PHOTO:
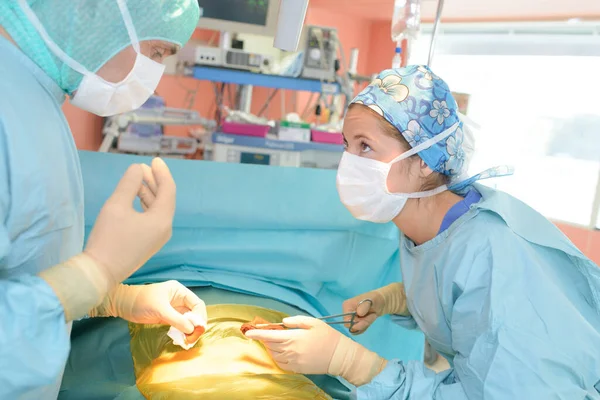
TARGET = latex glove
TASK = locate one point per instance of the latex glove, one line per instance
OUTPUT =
(390, 299)
(158, 303)
(316, 348)
(121, 241)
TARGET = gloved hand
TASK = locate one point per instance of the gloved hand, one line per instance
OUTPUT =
(121, 241)
(390, 299)
(158, 303)
(313, 347)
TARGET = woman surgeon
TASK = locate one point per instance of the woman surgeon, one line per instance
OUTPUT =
(106, 55)
(498, 291)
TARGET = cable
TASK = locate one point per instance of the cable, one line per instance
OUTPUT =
(264, 107)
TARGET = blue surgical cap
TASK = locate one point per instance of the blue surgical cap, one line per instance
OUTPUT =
(92, 32)
(420, 105)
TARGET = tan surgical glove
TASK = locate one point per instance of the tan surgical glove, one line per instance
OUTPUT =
(158, 303)
(121, 241)
(310, 346)
(390, 299)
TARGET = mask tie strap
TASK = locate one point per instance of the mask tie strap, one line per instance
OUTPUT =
(426, 144)
(49, 42)
(427, 193)
(135, 43)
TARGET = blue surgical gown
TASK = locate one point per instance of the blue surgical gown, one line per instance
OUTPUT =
(41, 224)
(508, 300)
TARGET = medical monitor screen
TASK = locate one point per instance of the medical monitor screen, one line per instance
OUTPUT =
(255, 158)
(252, 12)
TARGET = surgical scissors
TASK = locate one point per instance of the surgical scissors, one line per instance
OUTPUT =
(325, 318)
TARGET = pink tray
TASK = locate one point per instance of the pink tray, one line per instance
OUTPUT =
(235, 128)
(326, 137)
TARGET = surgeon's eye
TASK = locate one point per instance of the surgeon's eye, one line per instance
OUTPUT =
(365, 148)
(345, 144)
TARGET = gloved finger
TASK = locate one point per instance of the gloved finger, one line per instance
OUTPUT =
(269, 336)
(129, 186)
(301, 321)
(184, 300)
(195, 335)
(349, 306)
(149, 178)
(193, 303)
(166, 190)
(363, 308)
(171, 317)
(360, 326)
(146, 197)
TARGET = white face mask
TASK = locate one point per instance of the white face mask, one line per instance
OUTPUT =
(362, 184)
(98, 96)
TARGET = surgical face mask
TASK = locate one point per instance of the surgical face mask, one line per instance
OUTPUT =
(95, 94)
(362, 184)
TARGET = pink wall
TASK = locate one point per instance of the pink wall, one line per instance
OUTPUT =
(382, 47)
(372, 38)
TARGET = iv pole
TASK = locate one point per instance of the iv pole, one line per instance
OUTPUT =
(434, 34)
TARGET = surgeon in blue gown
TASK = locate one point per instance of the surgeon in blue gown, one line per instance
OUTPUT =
(107, 56)
(498, 290)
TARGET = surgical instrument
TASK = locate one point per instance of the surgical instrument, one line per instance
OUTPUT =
(327, 317)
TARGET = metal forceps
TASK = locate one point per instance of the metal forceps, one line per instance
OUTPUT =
(353, 314)
(325, 318)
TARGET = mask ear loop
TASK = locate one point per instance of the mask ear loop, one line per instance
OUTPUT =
(425, 145)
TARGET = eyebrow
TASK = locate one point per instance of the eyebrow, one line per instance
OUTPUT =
(357, 136)
(173, 50)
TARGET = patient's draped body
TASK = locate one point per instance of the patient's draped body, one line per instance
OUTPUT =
(224, 364)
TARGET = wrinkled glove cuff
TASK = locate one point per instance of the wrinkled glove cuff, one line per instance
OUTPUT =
(394, 298)
(355, 363)
(79, 283)
(118, 302)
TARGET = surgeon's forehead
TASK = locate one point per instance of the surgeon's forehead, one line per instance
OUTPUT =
(360, 122)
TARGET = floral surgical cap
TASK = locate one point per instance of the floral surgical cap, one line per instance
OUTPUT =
(420, 105)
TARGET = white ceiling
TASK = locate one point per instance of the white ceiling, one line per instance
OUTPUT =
(472, 10)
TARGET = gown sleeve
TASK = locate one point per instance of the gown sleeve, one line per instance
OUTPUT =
(505, 333)
(34, 341)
